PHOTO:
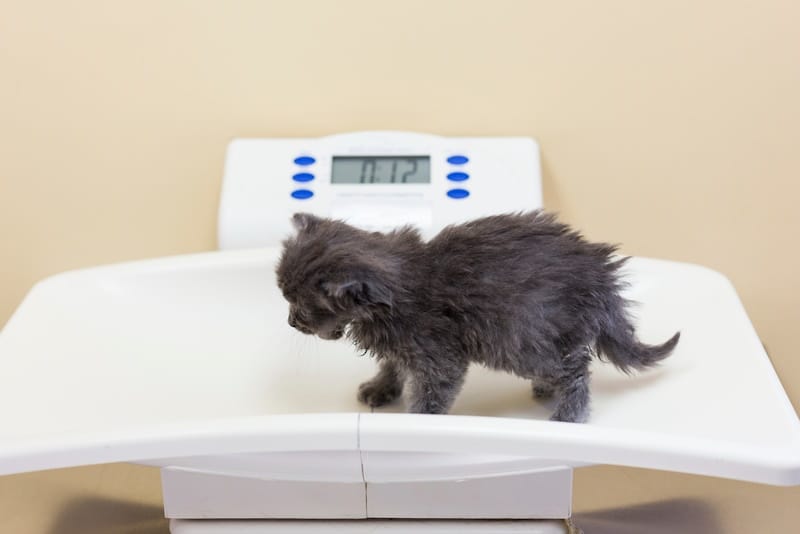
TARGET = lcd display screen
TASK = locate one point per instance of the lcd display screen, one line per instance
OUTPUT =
(381, 170)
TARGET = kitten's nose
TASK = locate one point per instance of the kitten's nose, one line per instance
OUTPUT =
(292, 321)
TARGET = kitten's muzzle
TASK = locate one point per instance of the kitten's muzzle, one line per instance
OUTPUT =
(334, 334)
(297, 326)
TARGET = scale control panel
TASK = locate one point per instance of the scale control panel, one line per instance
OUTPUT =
(373, 180)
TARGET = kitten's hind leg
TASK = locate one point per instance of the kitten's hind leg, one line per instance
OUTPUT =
(542, 390)
(573, 388)
(384, 388)
(433, 390)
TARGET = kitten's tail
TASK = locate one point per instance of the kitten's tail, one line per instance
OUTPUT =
(619, 344)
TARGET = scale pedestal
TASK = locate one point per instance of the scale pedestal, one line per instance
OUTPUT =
(537, 495)
(524, 492)
(488, 493)
(527, 502)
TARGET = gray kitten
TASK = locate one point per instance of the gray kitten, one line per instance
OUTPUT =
(521, 293)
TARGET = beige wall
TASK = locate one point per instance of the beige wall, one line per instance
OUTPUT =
(671, 127)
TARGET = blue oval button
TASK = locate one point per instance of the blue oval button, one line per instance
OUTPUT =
(303, 177)
(458, 193)
(304, 160)
(457, 176)
(302, 194)
(457, 160)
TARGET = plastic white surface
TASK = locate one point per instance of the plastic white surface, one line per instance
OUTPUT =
(256, 202)
(192, 356)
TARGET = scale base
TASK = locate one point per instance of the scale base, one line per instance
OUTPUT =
(200, 501)
(376, 526)
(201, 489)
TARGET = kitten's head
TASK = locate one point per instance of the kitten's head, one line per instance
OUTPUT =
(331, 276)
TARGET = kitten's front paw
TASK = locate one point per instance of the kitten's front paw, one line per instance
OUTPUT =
(566, 415)
(377, 394)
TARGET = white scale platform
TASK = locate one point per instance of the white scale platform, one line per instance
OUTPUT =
(188, 363)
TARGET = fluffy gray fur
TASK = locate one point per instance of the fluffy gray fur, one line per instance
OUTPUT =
(521, 293)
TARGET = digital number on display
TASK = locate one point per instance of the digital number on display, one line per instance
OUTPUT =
(381, 170)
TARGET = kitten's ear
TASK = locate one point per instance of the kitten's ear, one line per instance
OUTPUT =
(359, 292)
(304, 221)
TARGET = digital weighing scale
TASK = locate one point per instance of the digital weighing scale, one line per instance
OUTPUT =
(188, 363)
